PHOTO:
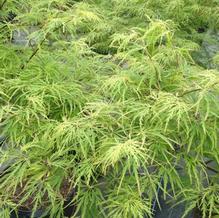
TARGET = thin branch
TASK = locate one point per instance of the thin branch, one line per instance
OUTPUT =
(208, 161)
(195, 90)
(212, 169)
(33, 53)
(2, 5)
(190, 91)
(205, 164)
(38, 48)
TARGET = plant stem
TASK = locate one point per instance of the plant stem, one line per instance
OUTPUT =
(190, 91)
(2, 5)
(212, 169)
(33, 54)
(205, 164)
(195, 90)
(37, 49)
(154, 204)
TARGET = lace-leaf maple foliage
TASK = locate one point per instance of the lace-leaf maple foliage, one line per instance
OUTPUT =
(105, 96)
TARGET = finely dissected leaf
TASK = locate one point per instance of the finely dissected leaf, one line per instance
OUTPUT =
(105, 106)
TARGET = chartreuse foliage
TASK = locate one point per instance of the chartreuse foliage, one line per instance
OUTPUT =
(105, 96)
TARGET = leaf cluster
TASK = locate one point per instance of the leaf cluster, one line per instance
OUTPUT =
(104, 96)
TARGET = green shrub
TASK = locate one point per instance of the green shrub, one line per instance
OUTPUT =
(104, 97)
